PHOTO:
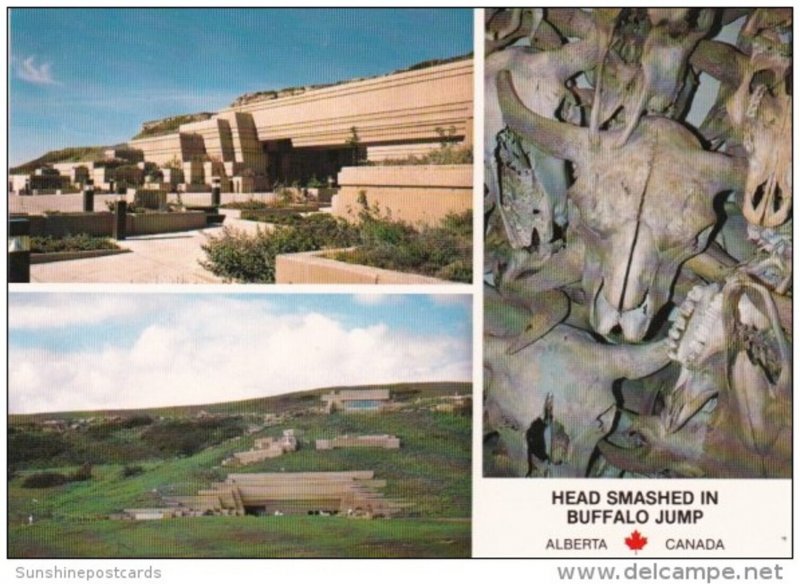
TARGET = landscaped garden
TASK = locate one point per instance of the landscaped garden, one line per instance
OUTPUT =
(443, 251)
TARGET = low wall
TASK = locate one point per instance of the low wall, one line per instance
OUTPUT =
(74, 202)
(62, 203)
(98, 224)
(312, 267)
(101, 224)
(418, 194)
(225, 198)
(149, 223)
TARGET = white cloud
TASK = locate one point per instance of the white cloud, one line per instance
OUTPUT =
(47, 311)
(217, 349)
(27, 70)
(375, 299)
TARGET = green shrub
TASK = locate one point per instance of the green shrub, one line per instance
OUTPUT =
(248, 204)
(444, 251)
(186, 437)
(136, 421)
(132, 470)
(84, 473)
(25, 447)
(43, 480)
(79, 242)
(274, 216)
(236, 255)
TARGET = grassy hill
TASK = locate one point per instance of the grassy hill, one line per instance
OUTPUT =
(179, 451)
(76, 154)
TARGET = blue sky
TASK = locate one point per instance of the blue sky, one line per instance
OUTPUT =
(83, 77)
(86, 351)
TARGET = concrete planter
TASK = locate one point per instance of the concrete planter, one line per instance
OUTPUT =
(418, 194)
(63, 256)
(150, 223)
(61, 224)
(315, 267)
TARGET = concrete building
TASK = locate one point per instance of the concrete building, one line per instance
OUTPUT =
(268, 447)
(356, 400)
(314, 132)
(354, 493)
(370, 441)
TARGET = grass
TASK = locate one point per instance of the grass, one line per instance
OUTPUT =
(70, 243)
(243, 537)
(75, 154)
(431, 470)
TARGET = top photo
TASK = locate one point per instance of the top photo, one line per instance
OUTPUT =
(204, 146)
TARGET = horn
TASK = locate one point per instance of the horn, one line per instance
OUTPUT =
(561, 140)
(635, 361)
(722, 173)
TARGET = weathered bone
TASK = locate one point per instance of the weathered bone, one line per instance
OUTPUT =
(628, 210)
(583, 401)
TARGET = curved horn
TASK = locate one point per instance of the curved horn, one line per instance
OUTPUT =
(561, 140)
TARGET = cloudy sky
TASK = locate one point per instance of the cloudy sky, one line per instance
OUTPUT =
(84, 77)
(86, 351)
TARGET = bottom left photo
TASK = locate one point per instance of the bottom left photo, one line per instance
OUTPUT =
(249, 425)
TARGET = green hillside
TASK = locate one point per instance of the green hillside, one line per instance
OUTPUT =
(139, 457)
(76, 154)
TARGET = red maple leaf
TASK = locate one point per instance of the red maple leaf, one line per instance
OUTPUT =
(636, 542)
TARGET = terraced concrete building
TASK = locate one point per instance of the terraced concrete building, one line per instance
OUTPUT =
(355, 493)
(296, 134)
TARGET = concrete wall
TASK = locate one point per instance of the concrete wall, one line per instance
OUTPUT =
(101, 224)
(313, 268)
(62, 203)
(418, 194)
(163, 149)
(74, 202)
(379, 441)
(406, 106)
(216, 134)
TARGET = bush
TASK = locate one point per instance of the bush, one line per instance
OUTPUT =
(249, 204)
(136, 421)
(79, 242)
(44, 480)
(235, 255)
(25, 447)
(132, 470)
(443, 252)
(84, 473)
(187, 437)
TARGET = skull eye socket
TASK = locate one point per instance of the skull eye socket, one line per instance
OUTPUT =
(765, 77)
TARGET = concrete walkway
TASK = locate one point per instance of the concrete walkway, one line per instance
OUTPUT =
(165, 258)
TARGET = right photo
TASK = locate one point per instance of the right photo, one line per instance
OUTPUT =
(638, 243)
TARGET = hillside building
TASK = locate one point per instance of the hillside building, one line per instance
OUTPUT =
(288, 136)
(356, 400)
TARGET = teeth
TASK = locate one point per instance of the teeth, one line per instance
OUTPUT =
(674, 333)
(672, 344)
(687, 308)
(695, 293)
(680, 324)
(672, 354)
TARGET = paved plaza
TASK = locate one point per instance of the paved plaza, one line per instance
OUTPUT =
(165, 258)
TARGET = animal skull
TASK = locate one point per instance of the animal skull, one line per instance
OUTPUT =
(729, 413)
(761, 108)
(641, 210)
